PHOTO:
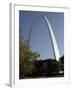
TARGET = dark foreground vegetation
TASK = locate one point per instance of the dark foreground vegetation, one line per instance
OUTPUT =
(44, 68)
(31, 67)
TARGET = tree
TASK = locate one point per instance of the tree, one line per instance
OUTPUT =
(62, 62)
(26, 59)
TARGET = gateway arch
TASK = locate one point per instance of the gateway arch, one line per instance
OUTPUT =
(52, 36)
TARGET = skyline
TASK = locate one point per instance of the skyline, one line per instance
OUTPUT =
(40, 39)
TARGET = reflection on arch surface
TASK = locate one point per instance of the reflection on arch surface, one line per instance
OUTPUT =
(52, 36)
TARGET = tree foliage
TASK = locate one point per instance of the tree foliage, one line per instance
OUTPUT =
(26, 59)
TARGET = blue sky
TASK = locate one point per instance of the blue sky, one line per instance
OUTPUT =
(40, 39)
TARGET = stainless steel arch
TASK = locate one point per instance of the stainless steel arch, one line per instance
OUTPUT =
(52, 37)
